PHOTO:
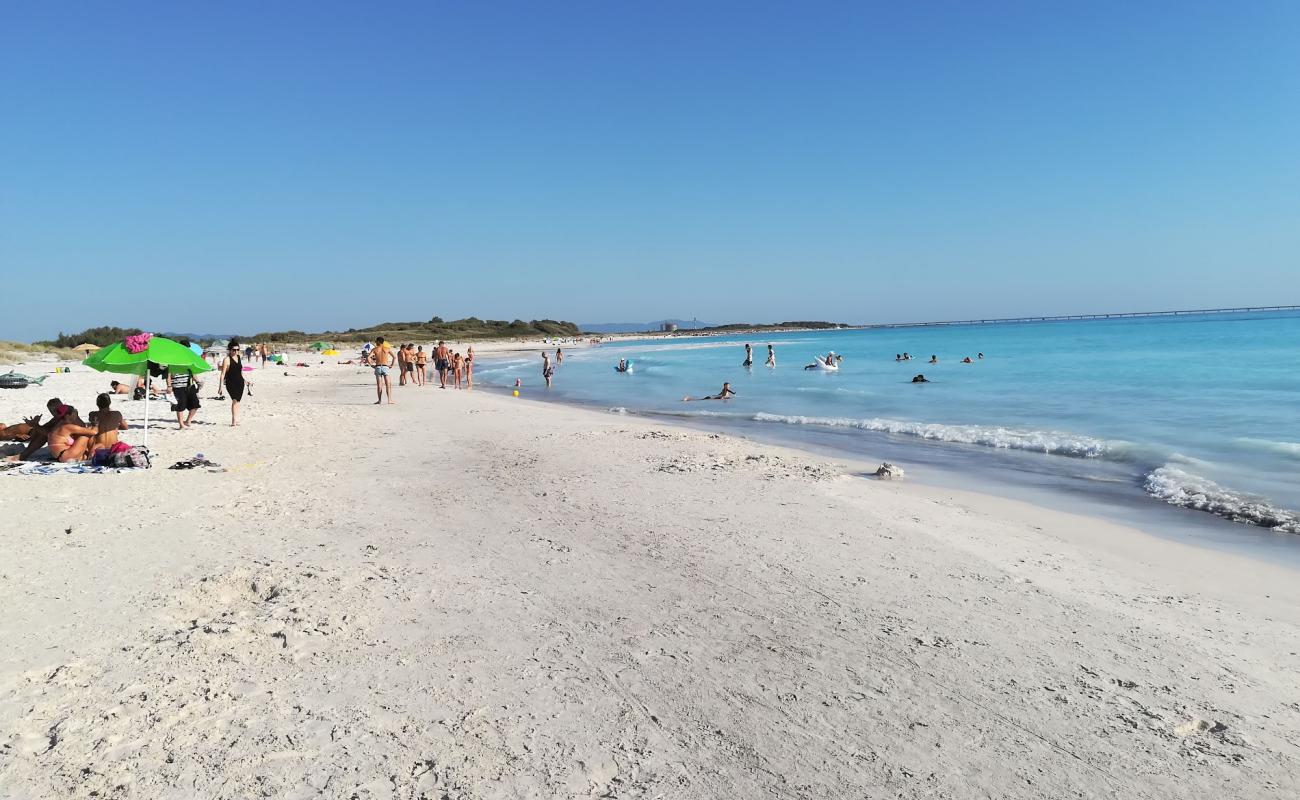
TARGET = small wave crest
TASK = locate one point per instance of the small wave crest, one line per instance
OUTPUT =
(1180, 488)
(1285, 449)
(1051, 442)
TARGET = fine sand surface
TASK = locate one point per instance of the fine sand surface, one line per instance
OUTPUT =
(466, 595)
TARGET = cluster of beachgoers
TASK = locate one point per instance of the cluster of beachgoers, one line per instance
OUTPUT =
(67, 438)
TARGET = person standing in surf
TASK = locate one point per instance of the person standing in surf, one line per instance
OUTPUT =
(548, 371)
(771, 356)
(749, 356)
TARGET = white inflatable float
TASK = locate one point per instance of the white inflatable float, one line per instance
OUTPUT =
(820, 363)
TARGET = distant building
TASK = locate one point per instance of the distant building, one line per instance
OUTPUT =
(668, 327)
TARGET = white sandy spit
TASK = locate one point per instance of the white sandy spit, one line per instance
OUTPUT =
(467, 595)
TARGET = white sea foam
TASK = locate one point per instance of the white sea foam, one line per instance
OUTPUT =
(1180, 488)
(1285, 449)
(1051, 442)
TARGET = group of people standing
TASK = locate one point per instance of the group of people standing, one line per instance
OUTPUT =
(412, 363)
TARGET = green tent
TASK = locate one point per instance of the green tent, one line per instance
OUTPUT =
(319, 346)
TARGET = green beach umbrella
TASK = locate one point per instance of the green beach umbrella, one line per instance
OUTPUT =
(133, 357)
(321, 346)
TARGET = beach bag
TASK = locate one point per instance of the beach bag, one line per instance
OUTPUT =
(132, 458)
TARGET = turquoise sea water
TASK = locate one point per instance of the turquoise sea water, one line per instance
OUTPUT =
(1199, 412)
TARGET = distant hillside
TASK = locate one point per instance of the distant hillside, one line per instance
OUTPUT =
(436, 328)
(640, 327)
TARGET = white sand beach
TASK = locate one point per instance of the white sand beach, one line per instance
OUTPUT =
(467, 595)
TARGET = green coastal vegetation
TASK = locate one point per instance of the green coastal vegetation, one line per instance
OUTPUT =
(469, 328)
(436, 328)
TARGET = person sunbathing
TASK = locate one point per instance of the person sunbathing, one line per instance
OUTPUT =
(120, 388)
(107, 423)
(39, 434)
(69, 439)
(20, 432)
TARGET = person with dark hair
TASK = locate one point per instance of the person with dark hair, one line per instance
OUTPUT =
(381, 358)
(232, 377)
(69, 438)
(185, 392)
(39, 434)
(107, 421)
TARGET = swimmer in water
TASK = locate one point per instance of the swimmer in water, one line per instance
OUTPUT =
(920, 379)
(980, 356)
(771, 356)
(967, 360)
(622, 365)
(934, 359)
(724, 394)
(898, 356)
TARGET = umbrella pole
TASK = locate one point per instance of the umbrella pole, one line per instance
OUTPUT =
(148, 384)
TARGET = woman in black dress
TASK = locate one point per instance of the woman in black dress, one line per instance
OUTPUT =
(232, 377)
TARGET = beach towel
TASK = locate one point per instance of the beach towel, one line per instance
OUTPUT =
(55, 468)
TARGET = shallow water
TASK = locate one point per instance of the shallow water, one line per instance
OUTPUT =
(1195, 411)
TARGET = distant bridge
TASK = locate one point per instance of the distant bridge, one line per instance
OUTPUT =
(1070, 317)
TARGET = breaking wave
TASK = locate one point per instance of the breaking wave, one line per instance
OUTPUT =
(1050, 442)
(1183, 489)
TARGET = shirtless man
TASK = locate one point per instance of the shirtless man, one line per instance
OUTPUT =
(381, 358)
(120, 388)
(548, 371)
(402, 365)
(440, 358)
(107, 421)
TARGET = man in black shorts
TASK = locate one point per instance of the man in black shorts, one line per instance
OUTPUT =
(185, 393)
(441, 360)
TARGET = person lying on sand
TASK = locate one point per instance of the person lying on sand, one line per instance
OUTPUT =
(107, 423)
(119, 388)
(38, 435)
(724, 394)
(20, 432)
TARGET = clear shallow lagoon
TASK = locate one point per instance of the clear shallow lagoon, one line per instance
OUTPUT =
(1201, 412)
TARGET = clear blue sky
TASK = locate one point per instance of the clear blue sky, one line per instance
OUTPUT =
(248, 166)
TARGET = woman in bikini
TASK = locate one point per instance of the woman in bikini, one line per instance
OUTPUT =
(69, 440)
(469, 368)
(457, 368)
(421, 365)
